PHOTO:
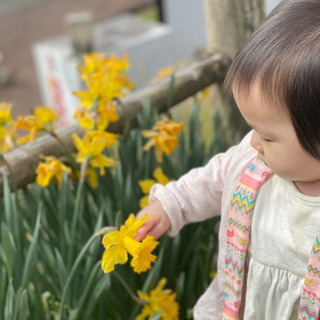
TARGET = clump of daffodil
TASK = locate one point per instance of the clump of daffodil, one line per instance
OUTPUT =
(7, 132)
(96, 62)
(145, 185)
(163, 137)
(159, 300)
(50, 169)
(42, 120)
(106, 80)
(118, 244)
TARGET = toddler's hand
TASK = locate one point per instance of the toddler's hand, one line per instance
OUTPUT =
(156, 225)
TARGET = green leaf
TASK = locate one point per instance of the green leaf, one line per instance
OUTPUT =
(88, 285)
(8, 248)
(72, 273)
(32, 251)
(9, 304)
(180, 285)
(62, 272)
(118, 220)
(102, 285)
(21, 308)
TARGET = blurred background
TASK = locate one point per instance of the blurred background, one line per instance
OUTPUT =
(42, 42)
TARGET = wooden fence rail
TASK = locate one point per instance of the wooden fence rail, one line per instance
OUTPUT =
(198, 74)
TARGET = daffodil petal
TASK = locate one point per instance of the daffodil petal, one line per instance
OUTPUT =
(112, 256)
(145, 185)
(111, 238)
(160, 176)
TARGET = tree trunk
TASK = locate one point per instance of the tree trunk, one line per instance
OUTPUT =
(229, 24)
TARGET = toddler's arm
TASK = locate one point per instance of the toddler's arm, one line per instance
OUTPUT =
(197, 195)
(156, 225)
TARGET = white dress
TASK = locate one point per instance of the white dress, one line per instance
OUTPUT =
(283, 230)
(284, 227)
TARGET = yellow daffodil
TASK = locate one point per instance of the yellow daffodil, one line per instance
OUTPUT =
(92, 177)
(30, 124)
(105, 79)
(84, 118)
(159, 300)
(5, 115)
(41, 120)
(99, 119)
(7, 132)
(110, 138)
(141, 252)
(91, 149)
(45, 118)
(98, 92)
(96, 62)
(115, 68)
(7, 139)
(146, 185)
(114, 65)
(117, 244)
(93, 63)
(102, 89)
(169, 126)
(205, 94)
(52, 168)
(163, 137)
(106, 115)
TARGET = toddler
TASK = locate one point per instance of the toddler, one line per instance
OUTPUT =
(267, 188)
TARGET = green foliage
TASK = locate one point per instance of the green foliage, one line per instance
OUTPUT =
(50, 256)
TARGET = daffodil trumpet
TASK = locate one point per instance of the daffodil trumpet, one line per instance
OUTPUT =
(141, 252)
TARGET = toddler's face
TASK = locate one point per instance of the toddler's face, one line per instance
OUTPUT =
(274, 138)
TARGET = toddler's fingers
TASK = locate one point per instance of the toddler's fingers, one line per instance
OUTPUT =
(145, 228)
(142, 232)
(158, 231)
(141, 214)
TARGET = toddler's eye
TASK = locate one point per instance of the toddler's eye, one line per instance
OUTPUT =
(266, 140)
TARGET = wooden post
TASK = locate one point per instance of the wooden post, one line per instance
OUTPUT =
(229, 24)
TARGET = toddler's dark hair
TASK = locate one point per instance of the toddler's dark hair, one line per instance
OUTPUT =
(283, 55)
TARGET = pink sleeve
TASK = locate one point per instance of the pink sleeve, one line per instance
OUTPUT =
(197, 195)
